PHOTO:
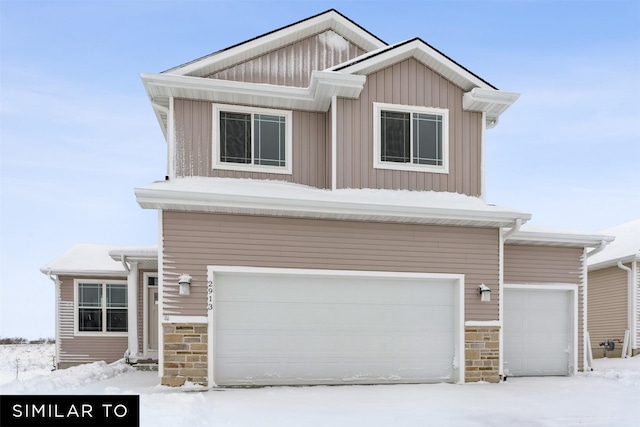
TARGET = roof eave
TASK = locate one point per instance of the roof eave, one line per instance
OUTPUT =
(83, 273)
(614, 262)
(557, 239)
(153, 198)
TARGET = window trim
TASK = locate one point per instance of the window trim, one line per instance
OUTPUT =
(217, 164)
(378, 107)
(76, 308)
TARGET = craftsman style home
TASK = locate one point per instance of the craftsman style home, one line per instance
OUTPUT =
(323, 221)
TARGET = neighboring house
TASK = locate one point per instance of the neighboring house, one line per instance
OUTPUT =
(323, 221)
(614, 292)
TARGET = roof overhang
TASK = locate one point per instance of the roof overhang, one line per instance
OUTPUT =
(317, 97)
(329, 20)
(614, 262)
(559, 238)
(274, 198)
(490, 101)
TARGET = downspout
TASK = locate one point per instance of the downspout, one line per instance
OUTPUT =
(603, 244)
(513, 229)
(123, 259)
(630, 299)
(56, 282)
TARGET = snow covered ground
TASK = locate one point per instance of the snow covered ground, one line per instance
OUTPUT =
(608, 396)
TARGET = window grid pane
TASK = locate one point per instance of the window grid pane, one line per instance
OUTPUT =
(235, 137)
(90, 320)
(395, 136)
(116, 295)
(89, 295)
(269, 135)
(427, 139)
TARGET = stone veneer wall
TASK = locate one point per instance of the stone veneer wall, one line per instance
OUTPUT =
(482, 347)
(185, 353)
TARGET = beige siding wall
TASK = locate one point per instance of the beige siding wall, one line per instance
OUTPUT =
(192, 241)
(292, 65)
(408, 83)
(540, 264)
(82, 349)
(194, 144)
(607, 307)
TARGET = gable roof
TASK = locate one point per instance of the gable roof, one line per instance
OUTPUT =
(328, 20)
(345, 80)
(625, 248)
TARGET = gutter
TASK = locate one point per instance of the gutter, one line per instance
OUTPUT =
(603, 244)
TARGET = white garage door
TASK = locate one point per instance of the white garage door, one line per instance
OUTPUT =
(277, 329)
(538, 332)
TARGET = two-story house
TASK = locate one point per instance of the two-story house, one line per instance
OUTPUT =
(323, 221)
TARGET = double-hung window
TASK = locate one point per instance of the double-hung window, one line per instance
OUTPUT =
(411, 138)
(101, 307)
(251, 139)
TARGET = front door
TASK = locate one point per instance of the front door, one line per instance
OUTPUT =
(152, 320)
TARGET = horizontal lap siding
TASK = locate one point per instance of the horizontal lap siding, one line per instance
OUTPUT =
(543, 264)
(194, 146)
(408, 83)
(192, 241)
(293, 64)
(78, 349)
(607, 306)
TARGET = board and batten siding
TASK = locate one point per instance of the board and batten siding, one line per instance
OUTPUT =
(528, 264)
(192, 241)
(607, 307)
(293, 64)
(408, 83)
(75, 350)
(194, 140)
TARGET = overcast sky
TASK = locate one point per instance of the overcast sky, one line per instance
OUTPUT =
(78, 133)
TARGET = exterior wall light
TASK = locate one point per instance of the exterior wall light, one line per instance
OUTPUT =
(184, 281)
(484, 292)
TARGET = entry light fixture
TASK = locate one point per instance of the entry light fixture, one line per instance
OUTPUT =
(484, 292)
(184, 281)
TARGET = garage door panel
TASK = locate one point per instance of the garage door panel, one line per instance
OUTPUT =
(301, 329)
(537, 331)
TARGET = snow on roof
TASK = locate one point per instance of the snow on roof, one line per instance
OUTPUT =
(232, 195)
(535, 234)
(626, 246)
(92, 259)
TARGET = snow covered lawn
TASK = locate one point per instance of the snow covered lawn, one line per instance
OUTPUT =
(608, 396)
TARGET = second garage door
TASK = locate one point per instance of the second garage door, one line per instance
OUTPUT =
(272, 328)
(539, 331)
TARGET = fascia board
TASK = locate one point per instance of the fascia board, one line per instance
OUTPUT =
(422, 52)
(85, 273)
(613, 262)
(316, 97)
(491, 101)
(330, 20)
(578, 240)
(171, 199)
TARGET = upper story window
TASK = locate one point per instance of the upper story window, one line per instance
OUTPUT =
(101, 307)
(252, 139)
(410, 138)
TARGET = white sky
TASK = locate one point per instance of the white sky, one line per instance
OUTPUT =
(77, 132)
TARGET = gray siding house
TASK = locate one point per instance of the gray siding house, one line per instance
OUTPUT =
(323, 221)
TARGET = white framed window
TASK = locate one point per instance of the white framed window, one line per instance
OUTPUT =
(252, 139)
(101, 307)
(410, 138)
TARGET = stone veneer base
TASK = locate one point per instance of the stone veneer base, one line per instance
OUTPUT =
(185, 353)
(482, 354)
